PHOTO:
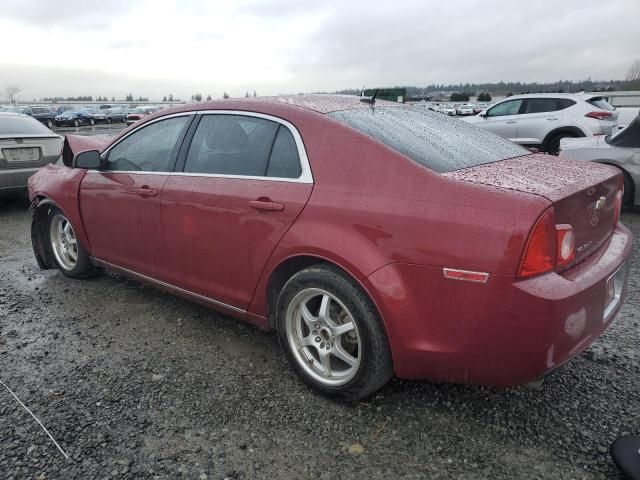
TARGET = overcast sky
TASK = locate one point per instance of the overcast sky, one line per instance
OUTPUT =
(153, 48)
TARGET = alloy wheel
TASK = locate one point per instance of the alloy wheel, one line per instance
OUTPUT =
(323, 336)
(63, 242)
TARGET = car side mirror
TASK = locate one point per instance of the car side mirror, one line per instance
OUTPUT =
(89, 160)
(483, 114)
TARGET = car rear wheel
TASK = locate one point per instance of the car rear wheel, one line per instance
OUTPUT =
(332, 335)
(629, 192)
(70, 256)
(552, 146)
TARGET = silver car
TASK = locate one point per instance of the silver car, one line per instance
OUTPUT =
(541, 120)
(621, 150)
(25, 146)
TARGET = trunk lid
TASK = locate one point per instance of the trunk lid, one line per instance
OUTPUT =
(582, 193)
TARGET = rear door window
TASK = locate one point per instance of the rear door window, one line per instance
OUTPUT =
(438, 142)
(242, 145)
(541, 105)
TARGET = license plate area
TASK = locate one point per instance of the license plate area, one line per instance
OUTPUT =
(22, 154)
(615, 285)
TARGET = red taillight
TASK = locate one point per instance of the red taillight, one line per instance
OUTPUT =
(540, 252)
(599, 115)
(565, 244)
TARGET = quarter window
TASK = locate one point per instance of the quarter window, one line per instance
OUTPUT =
(151, 149)
(510, 107)
(242, 145)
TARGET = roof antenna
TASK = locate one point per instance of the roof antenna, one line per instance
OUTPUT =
(371, 99)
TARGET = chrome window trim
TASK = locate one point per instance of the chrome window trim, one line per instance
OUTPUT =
(140, 127)
(306, 176)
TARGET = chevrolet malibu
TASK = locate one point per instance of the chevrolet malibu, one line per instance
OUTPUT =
(374, 238)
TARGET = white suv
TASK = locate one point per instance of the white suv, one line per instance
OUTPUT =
(542, 119)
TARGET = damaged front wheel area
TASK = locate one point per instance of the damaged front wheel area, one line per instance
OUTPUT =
(55, 244)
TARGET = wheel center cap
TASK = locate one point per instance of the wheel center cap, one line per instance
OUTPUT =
(325, 334)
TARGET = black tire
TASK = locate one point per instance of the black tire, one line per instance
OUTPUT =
(552, 146)
(76, 123)
(375, 364)
(109, 120)
(92, 122)
(83, 267)
(629, 191)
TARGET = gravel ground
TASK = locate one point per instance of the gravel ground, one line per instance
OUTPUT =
(135, 383)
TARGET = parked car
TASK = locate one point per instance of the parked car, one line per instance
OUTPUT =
(137, 113)
(99, 116)
(44, 115)
(75, 118)
(116, 115)
(410, 244)
(25, 146)
(621, 150)
(541, 120)
(449, 110)
(466, 109)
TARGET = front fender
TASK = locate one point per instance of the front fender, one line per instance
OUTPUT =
(57, 186)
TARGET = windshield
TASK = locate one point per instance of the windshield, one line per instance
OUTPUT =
(433, 140)
(19, 125)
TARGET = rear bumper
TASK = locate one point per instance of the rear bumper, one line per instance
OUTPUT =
(505, 332)
(15, 180)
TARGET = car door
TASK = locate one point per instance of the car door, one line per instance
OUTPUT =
(120, 204)
(502, 118)
(245, 178)
(539, 117)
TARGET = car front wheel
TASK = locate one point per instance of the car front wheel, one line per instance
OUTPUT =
(69, 253)
(332, 335)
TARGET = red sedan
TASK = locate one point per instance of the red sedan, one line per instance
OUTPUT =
(375, 239)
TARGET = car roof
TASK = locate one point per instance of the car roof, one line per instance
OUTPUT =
(320, 103)
(574, 96)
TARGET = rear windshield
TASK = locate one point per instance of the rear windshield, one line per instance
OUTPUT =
(602, 104)
(19, 125)
(436, 141)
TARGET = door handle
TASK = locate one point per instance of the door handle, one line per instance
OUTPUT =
(266, 205)
(511, 121)
(552, 118)
(145, 191)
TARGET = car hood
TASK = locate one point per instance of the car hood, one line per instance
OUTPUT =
(75, 144)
